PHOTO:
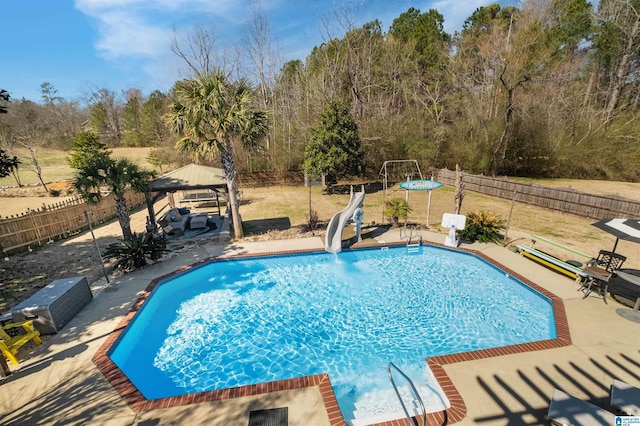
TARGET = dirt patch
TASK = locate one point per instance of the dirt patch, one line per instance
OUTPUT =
(65, 186)
(22, 274)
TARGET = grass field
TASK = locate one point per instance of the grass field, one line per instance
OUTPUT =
(279, 207)
(55, 166)
(285, 209)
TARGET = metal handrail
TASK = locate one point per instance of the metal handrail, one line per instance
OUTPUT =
(410, 239)
(415, 395)
(410, 235)
(403, 233)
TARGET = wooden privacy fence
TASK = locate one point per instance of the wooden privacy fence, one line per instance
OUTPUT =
(57, 221)
(560, 199)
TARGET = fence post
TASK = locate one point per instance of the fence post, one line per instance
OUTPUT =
(35, 226)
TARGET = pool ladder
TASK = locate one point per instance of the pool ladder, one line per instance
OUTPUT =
(414, 240)
(414, 391)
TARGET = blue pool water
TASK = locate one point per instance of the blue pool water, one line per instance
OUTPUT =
(242, 322)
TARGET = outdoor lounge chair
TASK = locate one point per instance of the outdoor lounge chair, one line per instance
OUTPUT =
(599, 271)
(10, 344)
(174, 222)
(625, 398)
(567, 410)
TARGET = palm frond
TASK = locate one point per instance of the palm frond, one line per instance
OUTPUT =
(209, 112)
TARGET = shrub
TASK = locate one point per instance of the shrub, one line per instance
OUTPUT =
(482, 226)
(312, 223)
(396, 209)
(133, 252)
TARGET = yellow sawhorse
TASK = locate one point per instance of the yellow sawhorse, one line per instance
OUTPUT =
(9, 345)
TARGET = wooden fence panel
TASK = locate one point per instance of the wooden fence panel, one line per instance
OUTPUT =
(559, 199)
(60, 220)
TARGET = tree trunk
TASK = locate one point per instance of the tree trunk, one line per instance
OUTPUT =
(622, 73)
(235, 214)
(44, 185)
(592, 81)
(500, 151)
(16, 176)
(459, 194)
(228, 165)
(123, 217)
(36, 166)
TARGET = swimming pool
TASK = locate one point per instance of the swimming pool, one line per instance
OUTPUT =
(254, 320)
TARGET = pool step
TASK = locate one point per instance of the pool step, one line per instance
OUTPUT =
(379, 406)
(413, 248)
(375, 419)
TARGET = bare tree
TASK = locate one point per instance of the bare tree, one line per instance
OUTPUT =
(624, 16)
(64, 118)
(30, 132)
(263, 61)
(197, 50)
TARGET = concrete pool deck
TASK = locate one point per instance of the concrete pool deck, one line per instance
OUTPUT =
(59, 383)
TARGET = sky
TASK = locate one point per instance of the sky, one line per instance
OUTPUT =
(82, 45)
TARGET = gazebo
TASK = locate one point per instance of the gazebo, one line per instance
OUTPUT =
(188, 178)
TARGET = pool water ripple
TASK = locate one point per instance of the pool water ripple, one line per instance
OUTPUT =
(244, 322)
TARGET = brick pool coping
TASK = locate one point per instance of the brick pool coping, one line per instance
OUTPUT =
(456, 412)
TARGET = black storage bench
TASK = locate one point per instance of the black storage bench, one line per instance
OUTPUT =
(54, 305)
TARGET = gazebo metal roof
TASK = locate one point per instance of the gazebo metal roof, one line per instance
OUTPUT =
(192, 176)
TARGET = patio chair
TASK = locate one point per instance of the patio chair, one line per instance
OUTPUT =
(10, 341)
(599, 271)
(625, 398)
(567, 410)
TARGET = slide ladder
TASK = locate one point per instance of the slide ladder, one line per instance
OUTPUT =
(333, 238)
(414, 391)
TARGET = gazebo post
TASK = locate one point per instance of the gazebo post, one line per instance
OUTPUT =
(152, 213)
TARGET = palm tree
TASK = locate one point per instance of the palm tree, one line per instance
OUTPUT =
(116, 176)
(212, 115)
(396, 209)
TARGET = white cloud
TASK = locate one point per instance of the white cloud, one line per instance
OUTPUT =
(122, 34)
(144, 28)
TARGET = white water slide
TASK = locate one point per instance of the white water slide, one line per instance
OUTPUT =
(333, 239)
